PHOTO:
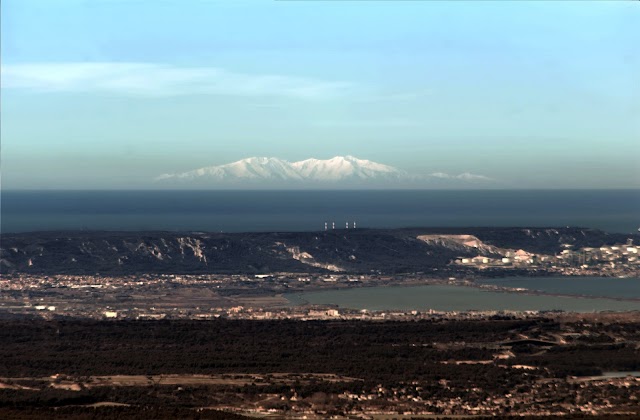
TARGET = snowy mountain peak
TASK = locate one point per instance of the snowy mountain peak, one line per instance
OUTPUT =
(344, 170)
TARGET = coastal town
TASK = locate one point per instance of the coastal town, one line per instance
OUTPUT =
(314, 361)
(611, 260)
(266, 296)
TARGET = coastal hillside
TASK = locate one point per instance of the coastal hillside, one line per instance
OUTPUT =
(333, 251)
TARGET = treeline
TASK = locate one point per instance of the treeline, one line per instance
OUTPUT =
(157, 413)
(390, 351)
(586, 360)
(115, 413)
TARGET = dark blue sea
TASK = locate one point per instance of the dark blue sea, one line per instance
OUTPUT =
(242, 211)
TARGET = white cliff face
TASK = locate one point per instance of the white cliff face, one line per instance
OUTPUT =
(195, 245)
(461, 243)
(306, 258)
(316, 171)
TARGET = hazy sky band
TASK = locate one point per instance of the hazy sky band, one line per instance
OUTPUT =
(110, 94)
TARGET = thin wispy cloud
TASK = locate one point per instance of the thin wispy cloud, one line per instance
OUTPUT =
(151, 79)
(394, 96)
(374, 123)
(466, 176)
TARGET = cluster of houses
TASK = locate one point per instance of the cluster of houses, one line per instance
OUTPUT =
(610, 253)
(619, 254)
(509, 258)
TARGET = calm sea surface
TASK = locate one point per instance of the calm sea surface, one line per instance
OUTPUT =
(453, 298)
(235, 211)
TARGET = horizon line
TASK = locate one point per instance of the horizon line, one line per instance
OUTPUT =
(3, 190)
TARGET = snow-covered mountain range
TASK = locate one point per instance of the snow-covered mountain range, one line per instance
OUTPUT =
(337, 171)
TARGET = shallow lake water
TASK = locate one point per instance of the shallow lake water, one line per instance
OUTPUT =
(587, 286)
(453, 298)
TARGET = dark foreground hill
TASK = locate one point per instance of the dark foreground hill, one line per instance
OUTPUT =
(348, 369)
(354, 251)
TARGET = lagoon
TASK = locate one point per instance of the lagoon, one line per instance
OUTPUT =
(627, 288)
(453, 298)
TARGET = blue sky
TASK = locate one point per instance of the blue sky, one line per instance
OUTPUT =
(112, 93)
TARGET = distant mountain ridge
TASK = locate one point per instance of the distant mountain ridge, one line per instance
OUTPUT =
(347, 170)
(345, 250)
